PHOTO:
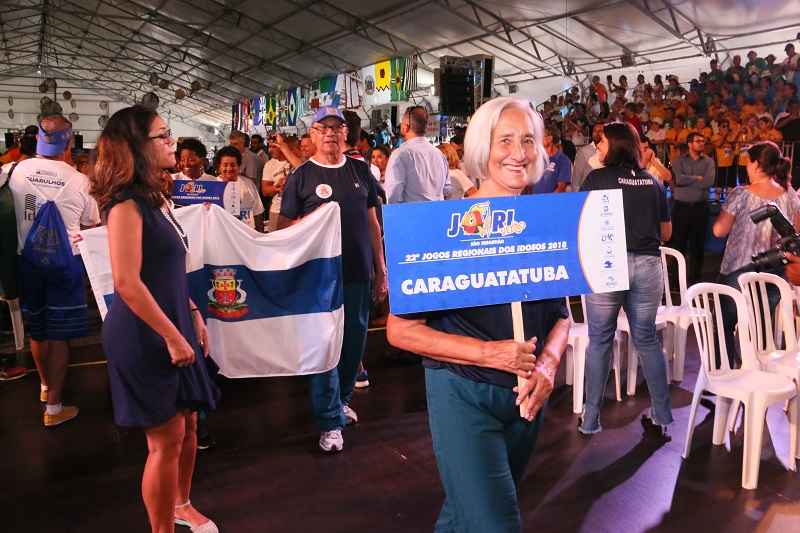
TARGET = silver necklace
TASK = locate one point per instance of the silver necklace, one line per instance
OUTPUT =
(167, 212)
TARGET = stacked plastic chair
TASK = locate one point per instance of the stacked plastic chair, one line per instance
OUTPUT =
(750, 385)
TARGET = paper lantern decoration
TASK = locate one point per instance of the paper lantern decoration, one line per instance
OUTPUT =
(150, 100)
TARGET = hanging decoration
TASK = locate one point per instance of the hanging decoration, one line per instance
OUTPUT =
(291, 110)
(257, 105)
(67, 95)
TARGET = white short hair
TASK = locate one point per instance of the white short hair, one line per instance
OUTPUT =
(478, 139)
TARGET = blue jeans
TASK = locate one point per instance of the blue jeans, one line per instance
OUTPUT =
(331, 389)
(482, 447)
(641, 303)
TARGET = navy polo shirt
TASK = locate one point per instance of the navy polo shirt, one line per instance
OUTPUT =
(351, 185)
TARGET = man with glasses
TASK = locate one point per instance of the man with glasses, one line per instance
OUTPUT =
(330, 176)
(417, 171)
(694, 174)
(53, 301)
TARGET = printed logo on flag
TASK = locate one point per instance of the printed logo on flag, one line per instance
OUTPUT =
(226, 299)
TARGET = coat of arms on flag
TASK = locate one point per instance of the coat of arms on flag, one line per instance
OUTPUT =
(226, 298)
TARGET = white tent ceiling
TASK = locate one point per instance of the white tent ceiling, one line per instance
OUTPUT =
(239, 48)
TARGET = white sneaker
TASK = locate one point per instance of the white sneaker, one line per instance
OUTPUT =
(331, 441)
(350, 416)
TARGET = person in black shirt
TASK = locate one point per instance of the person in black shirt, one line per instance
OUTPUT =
(329, 176)
(647, 223)
(481, 442)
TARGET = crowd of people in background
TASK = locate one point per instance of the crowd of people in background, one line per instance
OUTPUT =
(724, 129)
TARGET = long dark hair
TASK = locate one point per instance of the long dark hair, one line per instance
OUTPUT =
(771, 160)
(125, 162)
(623, 146)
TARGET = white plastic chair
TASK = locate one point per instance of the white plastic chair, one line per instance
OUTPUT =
(577, 342)
(623, 327)
(16, 323)
(678, 317)
(772, 358)
(753, 387)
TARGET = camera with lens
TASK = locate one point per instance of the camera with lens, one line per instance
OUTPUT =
(775, 258)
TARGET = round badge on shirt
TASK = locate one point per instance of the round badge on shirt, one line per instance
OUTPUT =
(324, 191)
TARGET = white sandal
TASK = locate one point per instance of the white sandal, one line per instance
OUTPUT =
(207, 527)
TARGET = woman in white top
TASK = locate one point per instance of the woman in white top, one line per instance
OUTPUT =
(379, 156)
(461, 185)
(250, 209)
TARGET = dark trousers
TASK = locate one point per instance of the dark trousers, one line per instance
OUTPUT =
(689, 226)
(332, 389)
(482, 447)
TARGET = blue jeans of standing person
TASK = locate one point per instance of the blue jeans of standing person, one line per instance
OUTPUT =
(641, 303)
(331, 389)
(482, 447)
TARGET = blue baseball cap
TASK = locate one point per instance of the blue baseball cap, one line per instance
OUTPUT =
(52, 144)
(326, 112)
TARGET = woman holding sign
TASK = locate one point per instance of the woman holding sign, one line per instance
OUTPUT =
(481, 443)
(647, 223)
(153, 334)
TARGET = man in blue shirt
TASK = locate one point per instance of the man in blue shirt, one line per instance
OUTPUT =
(558, 173)
(416, 171)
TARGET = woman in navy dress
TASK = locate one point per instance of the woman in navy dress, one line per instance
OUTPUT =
(153, 335)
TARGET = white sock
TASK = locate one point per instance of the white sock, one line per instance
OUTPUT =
(53, 409)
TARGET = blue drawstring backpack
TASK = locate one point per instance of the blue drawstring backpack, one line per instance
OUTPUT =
(47, 246)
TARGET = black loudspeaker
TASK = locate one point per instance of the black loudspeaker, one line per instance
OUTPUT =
(9, 140)
(395, 118)
(456, 97)
(78, 141)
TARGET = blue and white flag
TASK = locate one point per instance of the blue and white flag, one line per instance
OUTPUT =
(273, 303)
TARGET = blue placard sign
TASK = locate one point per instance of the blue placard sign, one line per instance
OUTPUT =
(190, 192)
(482, 251)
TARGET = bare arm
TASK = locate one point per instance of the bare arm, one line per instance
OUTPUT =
(293, 159)
(666, 231)
(125, 247)
(659, 170)
(378, 260)
(417, 337)
(540, 385)
(723, 224)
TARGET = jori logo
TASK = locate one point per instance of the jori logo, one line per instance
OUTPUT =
(480, 221)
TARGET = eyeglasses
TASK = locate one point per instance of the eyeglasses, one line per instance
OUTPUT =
(166, 136)
(322, 128)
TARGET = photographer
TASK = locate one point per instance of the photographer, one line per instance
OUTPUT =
(768, 172)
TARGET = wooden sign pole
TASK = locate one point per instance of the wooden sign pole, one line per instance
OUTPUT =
(519, 336)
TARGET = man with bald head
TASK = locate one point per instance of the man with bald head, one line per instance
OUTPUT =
(416, 171)
(53, 300)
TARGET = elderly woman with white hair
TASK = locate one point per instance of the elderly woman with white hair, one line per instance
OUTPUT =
(481, 442)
